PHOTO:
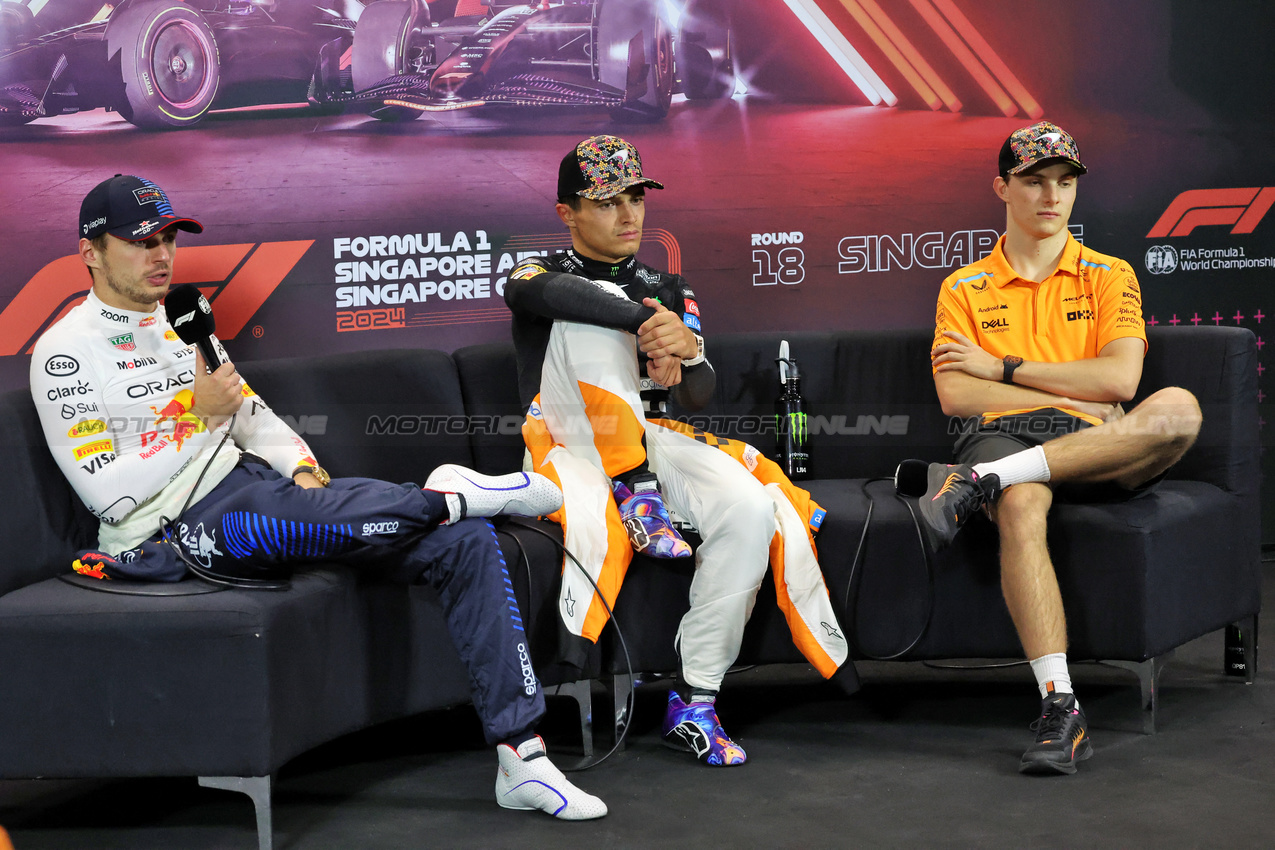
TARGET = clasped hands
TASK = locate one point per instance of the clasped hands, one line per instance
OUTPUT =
(666, 341)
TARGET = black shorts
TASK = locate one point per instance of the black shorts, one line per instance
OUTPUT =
(1006, 435)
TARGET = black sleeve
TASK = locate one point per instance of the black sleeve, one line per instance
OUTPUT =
(531, 288)
(696, 388)
(698, 381)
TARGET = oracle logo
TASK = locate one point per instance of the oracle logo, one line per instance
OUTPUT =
(1243, 208)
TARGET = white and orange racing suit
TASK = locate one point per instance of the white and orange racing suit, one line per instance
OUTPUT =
(596, 416)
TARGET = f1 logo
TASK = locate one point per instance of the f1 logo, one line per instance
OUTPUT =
(1194, 208)
(243, 277)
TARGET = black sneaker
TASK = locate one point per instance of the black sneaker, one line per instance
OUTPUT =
(953, 494)
(1062, 737)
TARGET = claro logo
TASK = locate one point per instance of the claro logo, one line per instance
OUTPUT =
(238, 277)
(1243, 208)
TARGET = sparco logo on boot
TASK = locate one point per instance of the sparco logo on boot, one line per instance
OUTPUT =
(528, 675)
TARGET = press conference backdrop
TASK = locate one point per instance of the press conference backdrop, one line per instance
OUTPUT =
(847, 173)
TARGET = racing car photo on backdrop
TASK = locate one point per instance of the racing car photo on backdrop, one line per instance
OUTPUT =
(166, 63)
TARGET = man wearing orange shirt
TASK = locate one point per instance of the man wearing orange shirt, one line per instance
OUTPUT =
(1040, 343)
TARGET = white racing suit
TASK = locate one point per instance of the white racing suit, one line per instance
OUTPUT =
(588, 425)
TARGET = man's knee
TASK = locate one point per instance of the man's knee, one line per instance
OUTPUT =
(1022, 509)
(751, 512)
(1173, 415)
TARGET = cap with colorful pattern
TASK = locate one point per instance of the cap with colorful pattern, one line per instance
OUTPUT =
(1041, 142)
(601, 167)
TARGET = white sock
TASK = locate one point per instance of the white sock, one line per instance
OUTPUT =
(1018, 468)
(1051, 674)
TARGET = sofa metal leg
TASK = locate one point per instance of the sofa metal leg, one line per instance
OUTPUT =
(256, 787)
(622, 686)
(1148, 673)
(582, 693)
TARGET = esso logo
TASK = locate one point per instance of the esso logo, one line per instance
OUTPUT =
(61, 365)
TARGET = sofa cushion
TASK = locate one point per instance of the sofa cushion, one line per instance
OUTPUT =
(489, 382)
(393, 415)
(43, 523)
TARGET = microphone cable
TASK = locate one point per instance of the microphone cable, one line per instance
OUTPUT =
(851, 607)
(584, 764)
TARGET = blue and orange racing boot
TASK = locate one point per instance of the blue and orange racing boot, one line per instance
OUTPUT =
(695, 729)
(647, 523)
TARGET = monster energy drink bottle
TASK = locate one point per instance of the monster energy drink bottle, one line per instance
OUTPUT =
(792, 432)
(1235, 664)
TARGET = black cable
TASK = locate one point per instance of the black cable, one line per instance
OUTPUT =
(168, 529)
(850, 607)
(629, 700)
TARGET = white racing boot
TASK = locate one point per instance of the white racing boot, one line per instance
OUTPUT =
(471, 494)
(527, 780)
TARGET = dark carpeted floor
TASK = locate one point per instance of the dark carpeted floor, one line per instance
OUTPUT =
(920, 757)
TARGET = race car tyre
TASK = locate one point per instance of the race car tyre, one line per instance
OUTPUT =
(381, 40)
(705, 51)
(16, 24)
(168, 63)
(636, 29)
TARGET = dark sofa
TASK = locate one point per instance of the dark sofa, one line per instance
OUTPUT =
(228, 686)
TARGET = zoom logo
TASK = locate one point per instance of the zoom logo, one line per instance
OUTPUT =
(380, 528)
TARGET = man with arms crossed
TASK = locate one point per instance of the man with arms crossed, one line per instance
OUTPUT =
(1043, 340)
(602, 342)
(158, 443)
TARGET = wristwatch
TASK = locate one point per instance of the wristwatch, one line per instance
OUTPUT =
(1012, 362)
(699, 353)
(317, 471)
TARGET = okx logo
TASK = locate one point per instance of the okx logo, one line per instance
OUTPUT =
(1242, 208)
(238, 277)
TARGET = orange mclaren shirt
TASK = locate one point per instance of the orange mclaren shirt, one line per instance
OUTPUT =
(1089, 300)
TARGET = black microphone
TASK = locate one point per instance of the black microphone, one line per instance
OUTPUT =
(191, 316)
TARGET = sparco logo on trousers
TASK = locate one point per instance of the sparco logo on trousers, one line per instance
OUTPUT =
(528, 675)
(380, 527)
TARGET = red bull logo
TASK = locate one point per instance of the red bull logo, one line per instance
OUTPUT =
(183, 429)
(177, 411)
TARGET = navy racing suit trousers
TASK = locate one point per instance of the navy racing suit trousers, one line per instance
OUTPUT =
(257, 517)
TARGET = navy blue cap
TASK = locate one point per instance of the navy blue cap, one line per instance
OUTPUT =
(131, 209)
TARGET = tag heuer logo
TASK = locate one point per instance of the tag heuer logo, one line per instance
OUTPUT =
(124, 342)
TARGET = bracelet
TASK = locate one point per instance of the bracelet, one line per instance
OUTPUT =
(1011, 362)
